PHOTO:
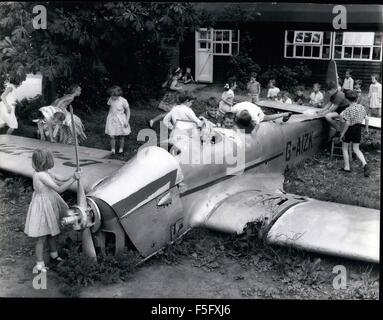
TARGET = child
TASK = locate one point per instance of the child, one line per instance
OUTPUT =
(375, 94)
(46, 207)
(353, 117)
(300, 97)
(188, 78)
(227, 98)
(358, 87)
(7, 106)
(283, 97)
(254, 88)
(348, 82)
(273, 90)
(170, 99)
(316, 97)
(182, 117)
(211, 113)
(117, 122)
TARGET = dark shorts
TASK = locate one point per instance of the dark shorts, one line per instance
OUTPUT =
(353, 134)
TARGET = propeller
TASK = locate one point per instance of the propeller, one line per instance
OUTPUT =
(86, 236)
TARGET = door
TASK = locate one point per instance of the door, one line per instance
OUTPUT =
(204, 55)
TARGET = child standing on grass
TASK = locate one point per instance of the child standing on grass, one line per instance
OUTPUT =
(353, 117)
(358, 89)
(254, 88)
(117, 122)
(348, 82)
(273, 91)
(375, 95)
(46, 207)
(227, 98)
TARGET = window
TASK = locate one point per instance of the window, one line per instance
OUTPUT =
(225, 42)
(308, 44)
(204, 39)
(358, 46)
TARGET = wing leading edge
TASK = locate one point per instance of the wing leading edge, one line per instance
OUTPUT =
(317, 226)
(16, 157)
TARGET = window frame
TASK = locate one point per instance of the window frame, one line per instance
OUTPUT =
(343, 46)
(222, 42)
(311, 44)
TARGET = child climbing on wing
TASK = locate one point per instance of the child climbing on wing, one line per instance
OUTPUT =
(117, 122)
(46, 207)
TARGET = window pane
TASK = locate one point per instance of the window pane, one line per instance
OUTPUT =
(338, 53)
(289, 51)
(202, 44)
(203, 35)
(357, 52)
(218, 36)
(365, 53)
(225, 48)
(299, 37)
(307, 51)
(316, 51)
(339, 38)
(234, 36)
(226, 35)
(308, 36)
(378, 39)
(376, 53)
(326, 52)
(218, 48)
(358, 38)
(299, 51)
(327, 38)
(316, 37)
(347, 52)
(290, 36)
(234, 48)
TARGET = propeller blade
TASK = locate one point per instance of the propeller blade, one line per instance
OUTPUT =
(81, 198)
(87, 244)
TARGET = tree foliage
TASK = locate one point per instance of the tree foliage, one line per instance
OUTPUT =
(95, 44)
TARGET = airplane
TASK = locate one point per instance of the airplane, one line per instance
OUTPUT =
(155, 198)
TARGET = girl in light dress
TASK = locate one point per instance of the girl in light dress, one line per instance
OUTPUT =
(117, 122)
(8, 105)
(170, 99)
(61, 105)
(227, 98)
(46, 207)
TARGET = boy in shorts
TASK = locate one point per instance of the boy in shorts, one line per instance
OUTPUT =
(353, 116)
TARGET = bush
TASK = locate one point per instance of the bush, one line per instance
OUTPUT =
(28, 109)
(287, 78)
(241, 67)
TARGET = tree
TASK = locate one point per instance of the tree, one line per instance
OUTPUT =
(95, 44)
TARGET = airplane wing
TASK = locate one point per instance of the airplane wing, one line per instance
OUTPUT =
(373, 122)
(312, 225)
(16, 157)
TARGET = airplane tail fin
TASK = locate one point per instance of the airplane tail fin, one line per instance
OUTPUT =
(332, 73)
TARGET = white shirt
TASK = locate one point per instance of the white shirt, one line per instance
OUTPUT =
(375, 95)
(181, 117)
(316, 98)
(288, 101)
(348, 84)
(272, 92)
(255, 112)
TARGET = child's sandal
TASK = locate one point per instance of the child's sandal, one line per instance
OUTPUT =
(56, 261)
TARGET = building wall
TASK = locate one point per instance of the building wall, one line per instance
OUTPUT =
(265, 44)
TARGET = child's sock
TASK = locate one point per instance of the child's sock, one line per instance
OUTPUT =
(54, 255)
(113, 151)
(120, 151)
(40, 266)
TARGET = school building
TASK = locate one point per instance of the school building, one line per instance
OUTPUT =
(283, 34)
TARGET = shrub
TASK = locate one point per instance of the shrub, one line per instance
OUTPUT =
(28, 109)
(241, 67)
(287, 78)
